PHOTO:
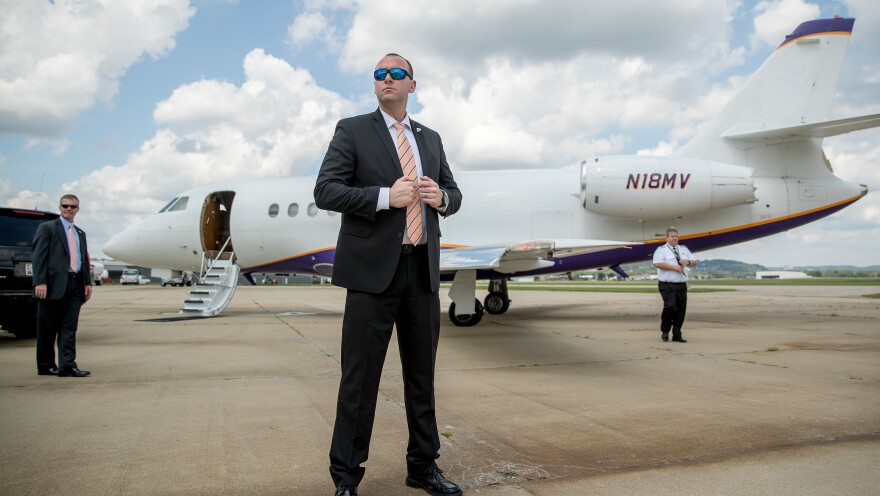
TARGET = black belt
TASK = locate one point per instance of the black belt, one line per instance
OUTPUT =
(408, 249)
(73, 274)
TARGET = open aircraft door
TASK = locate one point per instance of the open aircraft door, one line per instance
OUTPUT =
(214, 226)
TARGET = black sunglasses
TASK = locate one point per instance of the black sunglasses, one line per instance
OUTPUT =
(396, 74)
(72, 207)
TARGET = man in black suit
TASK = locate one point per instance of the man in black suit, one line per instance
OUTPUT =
(389, 178)
(62, 283)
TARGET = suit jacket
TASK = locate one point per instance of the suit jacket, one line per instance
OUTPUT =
(51, 258)
(361, 159)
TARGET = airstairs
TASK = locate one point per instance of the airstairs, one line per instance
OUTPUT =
(216, 285)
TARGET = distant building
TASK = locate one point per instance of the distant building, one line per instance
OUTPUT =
(781, 274)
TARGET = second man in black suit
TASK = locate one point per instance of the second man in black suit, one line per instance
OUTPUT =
(62, 283)
(389, 177)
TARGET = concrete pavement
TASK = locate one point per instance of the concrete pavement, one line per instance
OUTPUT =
(776, 392)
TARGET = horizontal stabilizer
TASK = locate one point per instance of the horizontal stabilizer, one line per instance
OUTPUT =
(824, 129)
(521, 256)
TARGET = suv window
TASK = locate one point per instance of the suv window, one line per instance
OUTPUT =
(18, 226)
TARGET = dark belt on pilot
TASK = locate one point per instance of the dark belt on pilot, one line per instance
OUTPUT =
(408, 249)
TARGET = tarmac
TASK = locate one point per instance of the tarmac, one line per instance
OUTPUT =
(776, 392)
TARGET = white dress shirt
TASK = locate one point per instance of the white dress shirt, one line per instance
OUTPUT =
(665, 254)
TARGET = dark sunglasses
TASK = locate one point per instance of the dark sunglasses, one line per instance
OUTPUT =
(72, 207)
(396, 74)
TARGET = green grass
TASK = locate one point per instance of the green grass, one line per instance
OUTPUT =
(813, 281)
(601, 289)
(872, 295)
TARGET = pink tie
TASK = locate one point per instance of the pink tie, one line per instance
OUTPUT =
(71, 246)
(408, 164)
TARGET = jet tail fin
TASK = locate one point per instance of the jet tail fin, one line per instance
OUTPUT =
(790, 94)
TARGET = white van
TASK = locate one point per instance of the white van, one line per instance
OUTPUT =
(129, 276)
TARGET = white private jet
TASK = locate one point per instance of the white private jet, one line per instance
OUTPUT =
(757, 169)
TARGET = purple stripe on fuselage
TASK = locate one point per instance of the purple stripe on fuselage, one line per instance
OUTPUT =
(298, 265)
(835, 24)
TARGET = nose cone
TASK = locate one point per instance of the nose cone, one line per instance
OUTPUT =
(123, 246)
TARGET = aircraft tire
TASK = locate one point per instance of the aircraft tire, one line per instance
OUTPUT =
(496, 303)
(466, 320)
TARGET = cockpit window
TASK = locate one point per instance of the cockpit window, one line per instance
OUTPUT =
(167, 205)
(180, 205)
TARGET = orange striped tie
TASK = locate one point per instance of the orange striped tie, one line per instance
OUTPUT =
(408, 164)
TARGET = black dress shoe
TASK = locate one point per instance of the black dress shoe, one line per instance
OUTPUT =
(74, 372)
(346, 491)
(679, 340)
(434, 482)
(51, 371)
(665, 337)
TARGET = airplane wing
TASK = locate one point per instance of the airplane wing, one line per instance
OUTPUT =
(522, 256)
(824, 129)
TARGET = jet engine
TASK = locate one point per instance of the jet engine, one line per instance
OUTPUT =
(651, 188)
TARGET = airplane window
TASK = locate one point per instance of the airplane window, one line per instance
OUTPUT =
(168, 204)
(180, 205)
(292, 209)
(273, 210)
(313, 210)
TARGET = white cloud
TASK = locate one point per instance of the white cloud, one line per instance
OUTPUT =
(458, 33)
(310, 27)
(277, 123)
(773, 20)
(60, 58)
(526, 84)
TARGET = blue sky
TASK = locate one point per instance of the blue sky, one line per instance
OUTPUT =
(128, 103)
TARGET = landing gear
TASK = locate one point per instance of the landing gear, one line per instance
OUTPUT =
(496, 301)
(462, 293)
(466, 320)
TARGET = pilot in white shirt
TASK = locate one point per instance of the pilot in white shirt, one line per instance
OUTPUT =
(673, 262)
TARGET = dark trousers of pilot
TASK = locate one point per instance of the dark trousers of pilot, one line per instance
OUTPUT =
(58, 320)
(366, 332)
(675, 300)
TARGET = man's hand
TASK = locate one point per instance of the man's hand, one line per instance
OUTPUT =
(430, 192)
(402, 192)
(40, 291)
(88, 292)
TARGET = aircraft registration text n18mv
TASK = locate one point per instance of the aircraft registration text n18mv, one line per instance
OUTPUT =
(756, 169)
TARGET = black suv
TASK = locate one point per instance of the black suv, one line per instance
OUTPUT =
(18, 307)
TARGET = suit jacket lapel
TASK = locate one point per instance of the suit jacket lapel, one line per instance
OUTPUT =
(63, 234)
(385, 137)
